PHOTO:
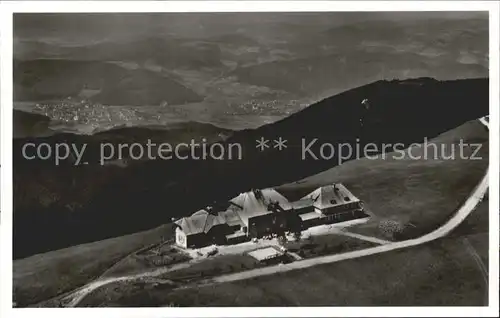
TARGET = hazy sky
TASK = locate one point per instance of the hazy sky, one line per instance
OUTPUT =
(196, 24)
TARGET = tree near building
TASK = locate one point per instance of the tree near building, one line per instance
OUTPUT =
(297, 236)
(281, 239)
(389, 228)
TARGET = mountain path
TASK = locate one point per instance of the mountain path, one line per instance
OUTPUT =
(467, 207)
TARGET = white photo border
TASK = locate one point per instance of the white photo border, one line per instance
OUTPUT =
(8, 8)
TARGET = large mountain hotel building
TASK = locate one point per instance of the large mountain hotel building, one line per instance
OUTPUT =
(257, 213)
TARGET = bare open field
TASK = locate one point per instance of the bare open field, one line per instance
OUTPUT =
(327, 244)
(46, 275)
(439, 273)
(158, 256)
(132, 292)
(422, 193)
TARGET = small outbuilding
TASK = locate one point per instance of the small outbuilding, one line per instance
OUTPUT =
(267, 254)
(200, 229)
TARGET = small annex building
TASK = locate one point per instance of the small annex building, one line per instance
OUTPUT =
(331, 204)
(199, 229)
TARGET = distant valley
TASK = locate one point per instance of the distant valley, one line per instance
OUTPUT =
(284, 63)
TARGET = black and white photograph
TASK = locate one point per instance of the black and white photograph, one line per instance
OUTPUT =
(251, 159)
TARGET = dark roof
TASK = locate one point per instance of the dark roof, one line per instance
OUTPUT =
(251, 206)
(232, 217)
(200, 222)
(302, 203)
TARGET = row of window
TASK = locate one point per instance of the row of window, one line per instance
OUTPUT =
(339, 215)
(351, 205)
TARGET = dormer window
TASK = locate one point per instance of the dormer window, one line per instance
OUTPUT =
(333, 201)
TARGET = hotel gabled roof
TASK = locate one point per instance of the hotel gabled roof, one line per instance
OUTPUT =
(200, 222)
(253, 206)
(327, 196)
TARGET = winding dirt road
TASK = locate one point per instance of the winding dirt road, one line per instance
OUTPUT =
(467, 208)
(72, 299)
(470, 204)
(461, 214)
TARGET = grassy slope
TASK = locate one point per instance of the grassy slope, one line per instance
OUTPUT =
(439, 273)
(318, 245)
(131, 293)
(442, 272)
(43, 276)
(145, 260)
(435, 187)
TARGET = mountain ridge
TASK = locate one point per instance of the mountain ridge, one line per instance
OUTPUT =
(400, 111)
(46, 79)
